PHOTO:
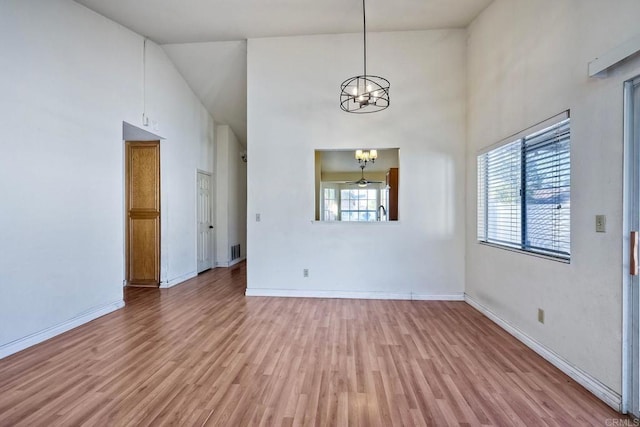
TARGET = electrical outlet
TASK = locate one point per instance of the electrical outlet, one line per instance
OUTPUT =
(305, 272)
(601, 223)
(257, 217)
(541, 315)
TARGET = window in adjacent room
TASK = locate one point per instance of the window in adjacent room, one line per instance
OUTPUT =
(358, 204)
(330, 203)
(524, 190)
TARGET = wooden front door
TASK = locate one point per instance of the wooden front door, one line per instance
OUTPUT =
(143, 213)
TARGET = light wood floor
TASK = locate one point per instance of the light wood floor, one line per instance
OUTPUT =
(203, 354)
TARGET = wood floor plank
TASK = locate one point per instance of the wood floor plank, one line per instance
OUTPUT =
(204, 354)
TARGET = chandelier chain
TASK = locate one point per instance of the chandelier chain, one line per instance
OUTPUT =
(364, 26)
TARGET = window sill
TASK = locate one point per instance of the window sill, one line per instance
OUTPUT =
(535, 254)
(313, 221)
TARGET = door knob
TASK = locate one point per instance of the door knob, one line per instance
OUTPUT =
(211, 226)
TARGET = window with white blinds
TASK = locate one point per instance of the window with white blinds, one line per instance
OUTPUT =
(524, 191)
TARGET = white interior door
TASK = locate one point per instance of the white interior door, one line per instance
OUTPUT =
(205, 222)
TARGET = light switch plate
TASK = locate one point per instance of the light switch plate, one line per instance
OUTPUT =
(601, 223)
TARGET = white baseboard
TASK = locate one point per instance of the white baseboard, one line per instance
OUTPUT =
(297, 293)
(177, 280)
(600, 390)
(230, 263)
(33, 339)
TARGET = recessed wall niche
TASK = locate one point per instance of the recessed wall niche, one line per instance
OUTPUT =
(357, 185)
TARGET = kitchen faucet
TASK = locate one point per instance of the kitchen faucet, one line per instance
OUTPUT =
(384, 212)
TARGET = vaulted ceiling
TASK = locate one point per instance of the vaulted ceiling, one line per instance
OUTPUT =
(217, 71)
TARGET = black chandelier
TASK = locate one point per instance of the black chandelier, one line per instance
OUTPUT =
(364, 93)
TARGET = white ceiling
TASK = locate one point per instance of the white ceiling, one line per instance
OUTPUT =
(217, 74)
(217, 71)
(183, 21)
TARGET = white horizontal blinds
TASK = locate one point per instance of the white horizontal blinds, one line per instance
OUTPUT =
(502, 194)
(524, 190)
(547, 188)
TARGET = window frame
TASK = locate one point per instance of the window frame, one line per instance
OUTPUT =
(339, 187)
(350, 188)
(526, 167)
(323, 201)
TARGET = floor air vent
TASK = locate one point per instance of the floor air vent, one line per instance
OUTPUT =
(235, 251)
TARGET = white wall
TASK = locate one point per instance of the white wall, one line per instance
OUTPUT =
(189, 145)
(231, 196)
(237, 217)
(527, 62)
(69, 79)
(293, 88)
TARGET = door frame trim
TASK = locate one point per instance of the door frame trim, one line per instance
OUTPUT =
(630, 222)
